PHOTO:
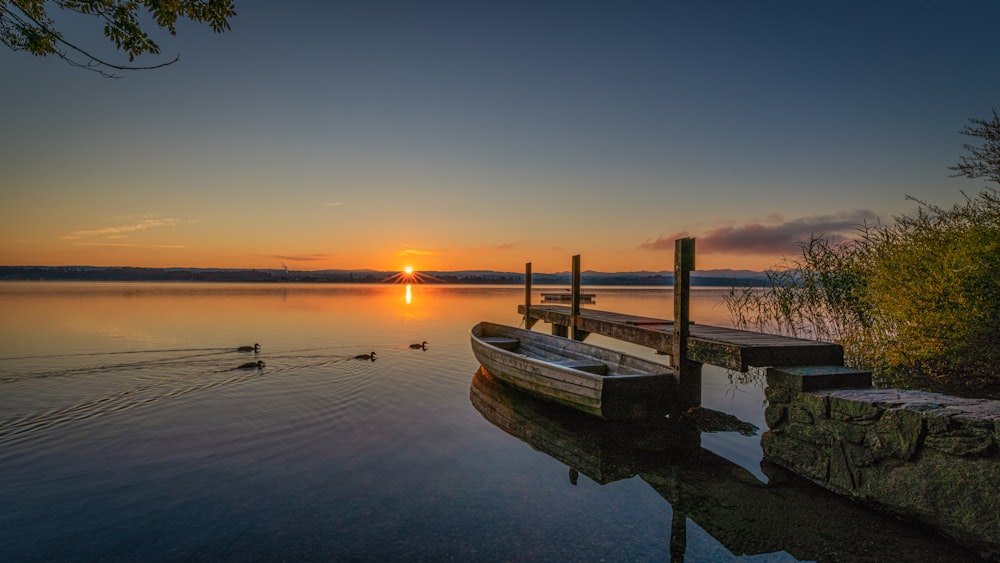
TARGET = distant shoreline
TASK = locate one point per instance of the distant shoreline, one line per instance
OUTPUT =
(713, 278)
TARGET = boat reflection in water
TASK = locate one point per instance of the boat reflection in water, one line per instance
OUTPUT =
(746, 516)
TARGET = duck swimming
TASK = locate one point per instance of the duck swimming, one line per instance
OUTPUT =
(421, 346)
(259, 364)
(255, 348)
(365, 357)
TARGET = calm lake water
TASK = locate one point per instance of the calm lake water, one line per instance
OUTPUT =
(127, 434)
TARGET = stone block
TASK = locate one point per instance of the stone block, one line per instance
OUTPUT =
(911, 399)
(899, 432)
(853, 410)
(798, 414)
(777, 394)
(816, 405)
(939, 422)
(979, 419)
(810, 433)
(969, 443)
(926, 457)
(815, 378)
(956, 496)
(801, 457)
(841, 474)
(847, 432)
(858, 456)
(774, 416)
(965, 429)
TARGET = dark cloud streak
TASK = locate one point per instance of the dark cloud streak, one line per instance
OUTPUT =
(766, 238)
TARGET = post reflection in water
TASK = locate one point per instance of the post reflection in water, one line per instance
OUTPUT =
(725, 500)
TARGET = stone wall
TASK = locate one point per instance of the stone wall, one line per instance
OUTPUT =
(930, 458)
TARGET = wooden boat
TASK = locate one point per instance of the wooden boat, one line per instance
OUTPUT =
(598, 381)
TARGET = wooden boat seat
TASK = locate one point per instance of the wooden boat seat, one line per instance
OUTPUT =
(589, 366)
(502, 342)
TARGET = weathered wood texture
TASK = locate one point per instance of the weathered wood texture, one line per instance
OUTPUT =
(595, 380)
(527, 293)
(683, 264)
(718, 346)
(575, 330)
(688, 368)
(555, 296)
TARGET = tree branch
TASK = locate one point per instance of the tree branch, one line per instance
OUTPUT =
(23, 31)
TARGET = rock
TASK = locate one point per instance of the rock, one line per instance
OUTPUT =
(853, 410)
(774, 416)
(899, 432)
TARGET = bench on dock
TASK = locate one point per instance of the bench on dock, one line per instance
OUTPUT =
(589, 366)
(502, 342)
(567, 296)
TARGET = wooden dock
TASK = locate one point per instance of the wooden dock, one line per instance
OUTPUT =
(689, 345)
(718, 346)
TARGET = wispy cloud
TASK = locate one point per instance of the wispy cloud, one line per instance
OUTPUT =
(415, 252)
(122, 231)
(507, 246)
(303, 257)
(129, 245)
(773, 237)
(335, 204)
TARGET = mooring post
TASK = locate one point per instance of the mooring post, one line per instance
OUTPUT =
(689, 371)
(528, 321)
(576, 333)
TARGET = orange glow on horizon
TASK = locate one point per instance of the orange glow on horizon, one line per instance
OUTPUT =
(544, 260)
(409, 277)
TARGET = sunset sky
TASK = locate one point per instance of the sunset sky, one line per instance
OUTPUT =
(483, 135)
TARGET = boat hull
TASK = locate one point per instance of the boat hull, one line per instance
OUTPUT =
(595, 380)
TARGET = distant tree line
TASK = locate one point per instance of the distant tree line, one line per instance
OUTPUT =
(95, 273)
(77, 273)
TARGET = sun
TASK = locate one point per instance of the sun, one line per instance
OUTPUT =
(409, 275)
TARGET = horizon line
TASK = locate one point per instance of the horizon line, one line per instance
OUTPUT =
(370, 270)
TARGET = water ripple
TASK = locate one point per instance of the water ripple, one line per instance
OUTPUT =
(156, 380)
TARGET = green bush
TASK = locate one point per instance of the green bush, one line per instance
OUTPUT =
(917, 302)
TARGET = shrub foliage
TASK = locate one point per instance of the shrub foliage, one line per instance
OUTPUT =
(916, 301)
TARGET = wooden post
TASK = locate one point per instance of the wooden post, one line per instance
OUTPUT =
(528, 321)
(576, 333)
(689, 372)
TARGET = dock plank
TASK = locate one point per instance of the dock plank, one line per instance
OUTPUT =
(725, 347)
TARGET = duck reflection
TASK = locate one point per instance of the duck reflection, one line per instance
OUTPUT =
(727, 501)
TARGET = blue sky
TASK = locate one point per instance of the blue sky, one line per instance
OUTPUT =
(454, 135)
